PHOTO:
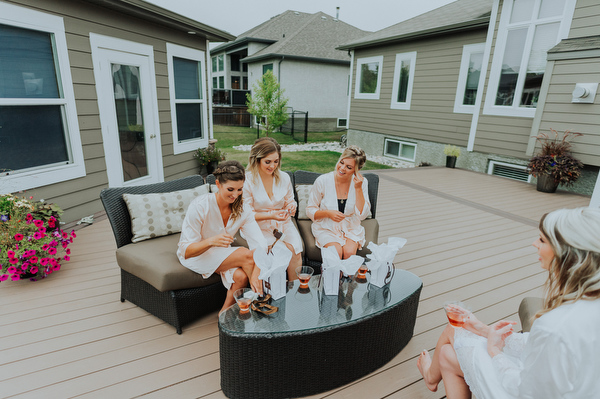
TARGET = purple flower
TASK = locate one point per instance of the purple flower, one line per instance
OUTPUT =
(4, 218)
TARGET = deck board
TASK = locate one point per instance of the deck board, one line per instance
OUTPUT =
(469, 238)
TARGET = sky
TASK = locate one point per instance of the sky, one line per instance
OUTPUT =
(238, 16)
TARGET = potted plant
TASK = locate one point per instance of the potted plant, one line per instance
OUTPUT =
(208, 158)
(31, 240)
(554, 164)
(452, 152)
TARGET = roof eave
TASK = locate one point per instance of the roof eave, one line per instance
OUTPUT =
(241, 42)
(159, 15)
(295, 57)
(460, 27)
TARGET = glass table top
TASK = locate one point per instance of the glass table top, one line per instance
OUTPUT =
(303, 309)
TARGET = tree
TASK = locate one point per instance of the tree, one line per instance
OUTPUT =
(267, 102)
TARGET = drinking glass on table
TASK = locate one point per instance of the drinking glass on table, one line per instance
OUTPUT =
(457, 313)
(304, 274)
(244, 297)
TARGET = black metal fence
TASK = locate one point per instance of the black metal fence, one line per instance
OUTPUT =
(296, 125)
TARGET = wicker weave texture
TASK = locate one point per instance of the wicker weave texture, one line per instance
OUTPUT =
(295, 364)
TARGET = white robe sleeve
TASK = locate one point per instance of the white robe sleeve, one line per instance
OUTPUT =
(252, 233)
(315, 197)
(191, 229)
(367, 206)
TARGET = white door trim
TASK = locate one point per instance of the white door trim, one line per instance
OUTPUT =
(106, 50)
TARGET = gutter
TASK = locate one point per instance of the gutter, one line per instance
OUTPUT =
(295, 57)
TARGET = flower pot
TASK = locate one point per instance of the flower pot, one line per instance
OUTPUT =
(450, 162)
(210, 168)
(546, 183)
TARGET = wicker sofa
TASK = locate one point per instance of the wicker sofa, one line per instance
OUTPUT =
(151, 275)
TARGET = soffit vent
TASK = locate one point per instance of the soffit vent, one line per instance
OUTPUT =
(508, 170)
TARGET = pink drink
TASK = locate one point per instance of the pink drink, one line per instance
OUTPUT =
(304, 279)
(456, 319)
(244, 304)
(362, 272)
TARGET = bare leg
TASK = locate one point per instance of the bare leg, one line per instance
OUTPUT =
(337, 246)
(294, 263)
(240, 280)
(349, 249)
(454, 380)
(430, 368)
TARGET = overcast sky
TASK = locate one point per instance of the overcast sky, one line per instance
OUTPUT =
(238, 16)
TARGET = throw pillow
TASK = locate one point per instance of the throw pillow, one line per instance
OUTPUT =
(159, 214)
(303, 192)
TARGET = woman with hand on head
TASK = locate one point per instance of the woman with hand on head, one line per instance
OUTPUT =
(559, 358)
(338, 202)
(211, 222)
(268, 192)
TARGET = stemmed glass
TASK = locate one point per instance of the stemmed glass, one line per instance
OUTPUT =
(457, 313)
(244, 298)
(304, 274)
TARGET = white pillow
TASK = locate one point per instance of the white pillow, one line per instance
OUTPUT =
(159, 214)
(303, 192)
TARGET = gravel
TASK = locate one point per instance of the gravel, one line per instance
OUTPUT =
(337, 147)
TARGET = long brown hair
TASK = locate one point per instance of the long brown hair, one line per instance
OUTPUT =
(263, 147)
(574, 273)
(232, 171)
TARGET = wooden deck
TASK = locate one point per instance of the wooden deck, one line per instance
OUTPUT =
(469, 238)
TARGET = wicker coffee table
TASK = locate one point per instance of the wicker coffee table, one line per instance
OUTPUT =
(316, 342)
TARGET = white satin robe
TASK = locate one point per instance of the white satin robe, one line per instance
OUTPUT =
(203, 220)
(323, 197)
(257, 199)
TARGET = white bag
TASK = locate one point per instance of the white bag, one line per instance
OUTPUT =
(333, 265)
(381, 260)
(273, 269)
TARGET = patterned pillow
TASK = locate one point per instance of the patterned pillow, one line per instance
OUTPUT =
(161, 214)
(303, 192)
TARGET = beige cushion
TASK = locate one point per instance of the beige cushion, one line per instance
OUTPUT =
(313, 253)
(156, 215)
(527, 310)
(303, 192)
(155, 261)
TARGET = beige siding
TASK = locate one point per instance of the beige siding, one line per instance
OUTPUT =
(80, 197)
(431, 116)
(586, 19)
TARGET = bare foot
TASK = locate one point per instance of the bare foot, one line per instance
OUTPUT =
(423, 364)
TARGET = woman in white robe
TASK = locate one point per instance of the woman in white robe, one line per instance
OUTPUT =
(269, 193)
(338, 202)
(559, 358)
(208, 231)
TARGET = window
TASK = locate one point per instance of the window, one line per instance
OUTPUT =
(39, 135)
(221, 63)
(468, 78)
(215, 83)
(368, 77)
(235, 62)
(400, 149)
(527, 30)
(245, 83)
(214, 64)
(267, 67)
(221, 82)
(235, 82)
(404, 75)
(186, 91)
(342, 122)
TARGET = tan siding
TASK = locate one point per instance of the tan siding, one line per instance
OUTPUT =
(431, 115)
(79, 197)
(586, 19)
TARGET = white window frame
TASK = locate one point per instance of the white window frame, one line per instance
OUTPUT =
(496, 70)
(344, 125)
(401, 143)
(461, 87)
(412, 57)
(174, 50)
(359, 63)
(50, 174)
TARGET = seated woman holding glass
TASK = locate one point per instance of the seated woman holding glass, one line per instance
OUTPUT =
(208, 230)
(268, 192)
(337, 204)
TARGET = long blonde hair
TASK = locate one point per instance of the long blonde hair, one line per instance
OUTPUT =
(232, 171)
(356, 153)
(574, 273)
(262, 148)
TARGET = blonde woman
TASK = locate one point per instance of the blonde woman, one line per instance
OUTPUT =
(338, 202)
(268, 192)
(559, 357)
(211, 222)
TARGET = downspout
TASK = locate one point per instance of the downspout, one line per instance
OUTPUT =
(351, 54)
(279, 68)
(209, 91)
(486, 62)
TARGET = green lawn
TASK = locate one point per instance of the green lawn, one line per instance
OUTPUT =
(315, 161)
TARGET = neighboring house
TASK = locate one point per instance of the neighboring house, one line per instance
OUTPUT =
(484, 75)
(99, 93)
(300, 49)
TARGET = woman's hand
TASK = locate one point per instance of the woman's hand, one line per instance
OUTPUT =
(280, 215)
(497, 334)
(221, 240)
(358, 181)
(336, 216)
(291, 209)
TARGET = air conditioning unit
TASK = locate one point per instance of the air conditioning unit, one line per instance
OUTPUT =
(509, 170)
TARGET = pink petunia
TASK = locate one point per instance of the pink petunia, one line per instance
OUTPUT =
(64, 235)
(73, 234)
(18, 236)
(68, 251)
(11, 270)
(64, 244)
(71, 240)
(67, 258)
(29, 216)
(13, 261)
(37, 235)
(53, 243)
(52, 251)
(51, 223)
(56, 268)
(38, 223)
(44, 261)
(33, 270)
(42, 229)
(33, 259)
(4, 277)
(45, 247)
(11, 254)
(53, 262)
(24, 266)
(15, 277)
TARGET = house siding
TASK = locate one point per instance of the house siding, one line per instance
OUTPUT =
(80, 197)
(586, 19)
(431, 115)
